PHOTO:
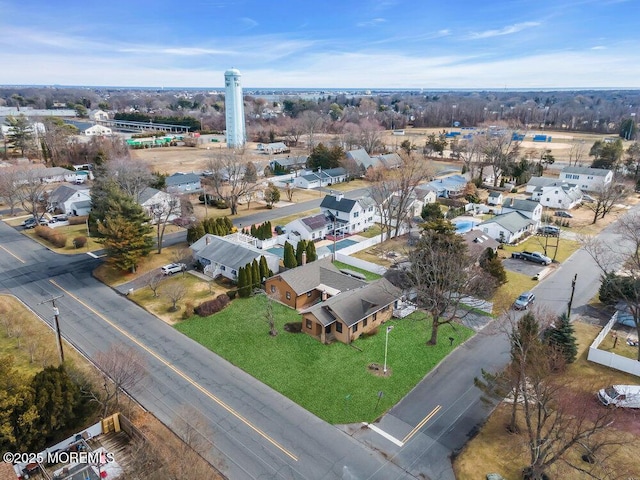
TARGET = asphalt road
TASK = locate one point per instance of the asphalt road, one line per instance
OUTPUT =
(257, 433)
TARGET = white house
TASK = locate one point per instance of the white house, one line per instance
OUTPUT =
(363, 160)
(98, 131)
(558, 195)
(538, 182)
(312, 228)
(530, 209)
(495, 198)
(321, 178)
(157, 203)
(587, 179)
(223, 256)
(421, 196)
(183, 183)
(47, 175)
(69, 199)
(507, 227)
(271, 148)
(348, 216)
(99, 115)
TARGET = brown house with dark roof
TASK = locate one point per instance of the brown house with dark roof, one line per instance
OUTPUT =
(351, 313)
(305, 285)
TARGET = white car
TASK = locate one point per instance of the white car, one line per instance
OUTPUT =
(173, 268)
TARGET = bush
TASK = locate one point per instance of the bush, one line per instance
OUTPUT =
(189, 310)
(213, 306)
(514, 190)
(80, 241)
(293, 327)
(232, 294)
(54, 237)
(78, 220)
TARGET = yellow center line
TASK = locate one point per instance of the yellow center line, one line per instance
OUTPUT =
(422, 423)
(14, 256)
(184, 376)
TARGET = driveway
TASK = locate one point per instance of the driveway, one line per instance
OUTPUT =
(522, 266)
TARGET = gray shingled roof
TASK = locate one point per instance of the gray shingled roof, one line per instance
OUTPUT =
(332, 203)
(335, 172)
(228, 253)
(354, 305)
(390, 160)
(181, 178)
(147, 194)
(65, 192)
(495, 194)
(600, 172)
(541, 181)
(477, 242)
(512, 222)
(308, 277)
(520, 204)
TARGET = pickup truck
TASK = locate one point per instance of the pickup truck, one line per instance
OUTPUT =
(536, 257)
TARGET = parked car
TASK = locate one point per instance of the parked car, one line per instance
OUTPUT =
(627, 396)
(587, 198)
(59, 218)
(524, 301)
(549, 230)
(563, 214)
(535, 257)
(172, 268)
(32, 222)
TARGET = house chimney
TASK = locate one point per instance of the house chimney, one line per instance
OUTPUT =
(324, 295)
(304, 258)
(513, 200)
(339, 196)
(206, 239)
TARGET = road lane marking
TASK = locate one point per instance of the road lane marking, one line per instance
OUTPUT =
(14, 256)
(429, 416)
(384, 434)
(183, 375)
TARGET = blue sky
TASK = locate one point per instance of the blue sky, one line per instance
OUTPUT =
(326, 44)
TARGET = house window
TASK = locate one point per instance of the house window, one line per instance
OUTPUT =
(288, 295)
(338, 327)
(308, 294)
(222, 267)
(547, 199)
(559, 201)
(308, 324)
(234, 272)
(354, 329)
(375, 316)
(356, 214)
(313, 235)
(386, 308)
(273, 289)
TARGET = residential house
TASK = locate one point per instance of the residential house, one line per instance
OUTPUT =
(507, 227)
(348, 315)
(289, 163)
(321, 178)
(47, 175)
(363, 160)
(153, 201)
(477, 243)
(307, 284)
(495, 198)
(70, 200)
(536, 183)
(586, 178)
(183, 183)
(348, 216)
(558, 195)
(418, 199)
(390, 160)
(273, 148)
(449, 187)
(223, 256)
(530, 209)
(98, 131)
(312, 228)
(99, 115)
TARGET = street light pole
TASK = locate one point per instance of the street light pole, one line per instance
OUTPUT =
(386, 344)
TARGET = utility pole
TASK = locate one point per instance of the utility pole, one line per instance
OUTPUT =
(56, 315)
(573, 289)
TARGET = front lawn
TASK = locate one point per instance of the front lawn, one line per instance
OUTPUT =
(506, 294)
(536, 243)
(331, 381)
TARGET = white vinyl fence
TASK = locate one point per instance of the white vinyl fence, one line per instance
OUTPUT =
(609, 359)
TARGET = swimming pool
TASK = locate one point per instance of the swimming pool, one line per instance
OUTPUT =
(463, 226)
(342, 244)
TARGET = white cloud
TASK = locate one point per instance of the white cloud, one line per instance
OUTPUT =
(371, 23)
(248, 23)
(508, 30)
(599, 47)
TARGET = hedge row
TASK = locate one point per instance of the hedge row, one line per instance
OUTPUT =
(77, 220)
(213, 306)
(57, 239)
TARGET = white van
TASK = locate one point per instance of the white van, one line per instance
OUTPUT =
(626, 396)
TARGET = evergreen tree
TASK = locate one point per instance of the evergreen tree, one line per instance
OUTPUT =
(257, 278)
(254, 231)
(562, 336)
(195, 232)
(491, 263)
(300, 248)
(312, 256)
(126, 232)
(289, 256)
(243, 291)
(264, 267)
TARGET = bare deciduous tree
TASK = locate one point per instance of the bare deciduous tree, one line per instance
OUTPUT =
(152, 280)
(605, 198)
(132, 176)
(161, 214)
(577, 153)
(312, 123)
(269, 316)
(175, 291)
(122, 368)
(9, 181)
(229, 180)
(499, 151)
(31, 191)
(370, 133)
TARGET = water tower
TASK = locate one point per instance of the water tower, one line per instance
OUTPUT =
(234, 109)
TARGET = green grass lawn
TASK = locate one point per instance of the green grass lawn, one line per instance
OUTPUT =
(371, 232)
(369, 276)
(331, 381)
(507, 293)
(537, 244)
